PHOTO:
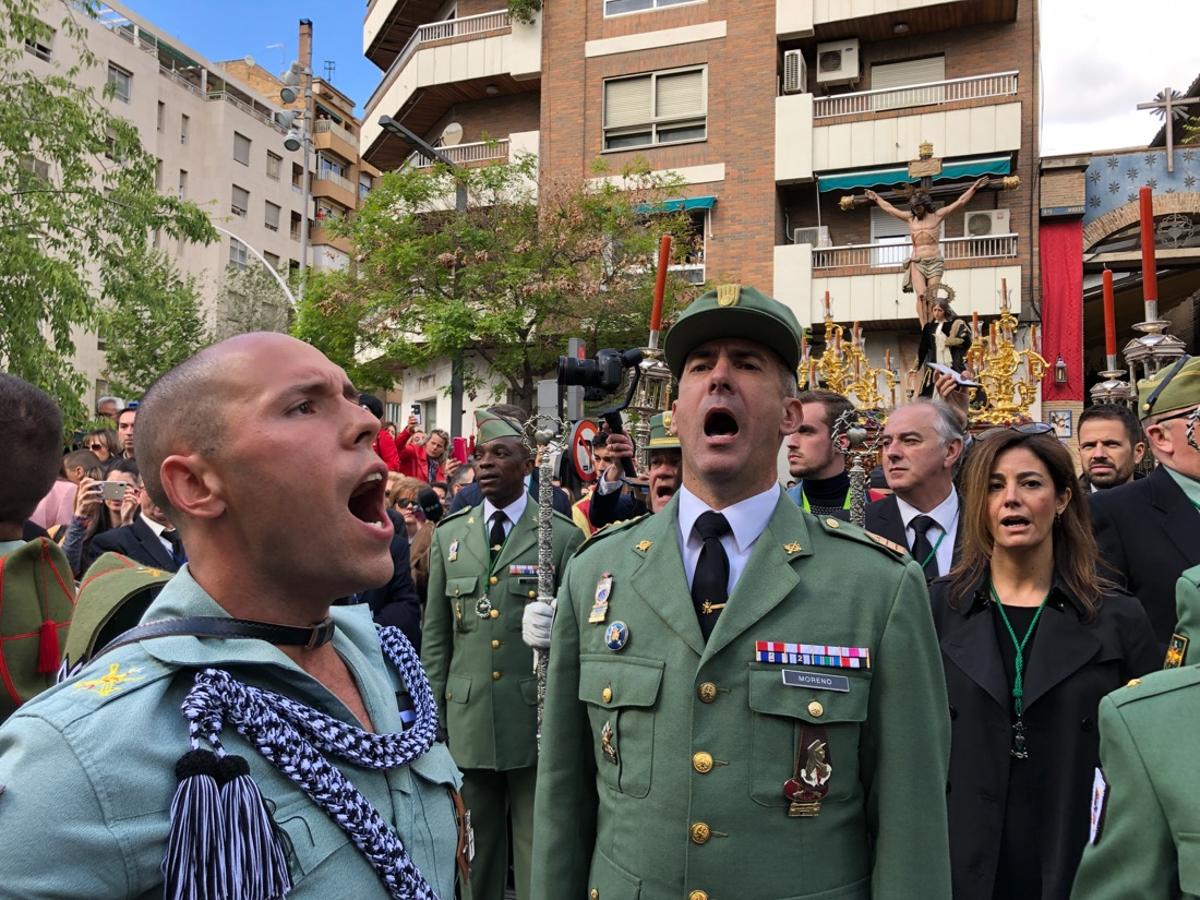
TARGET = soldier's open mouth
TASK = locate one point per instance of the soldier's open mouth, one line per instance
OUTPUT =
(719, 422)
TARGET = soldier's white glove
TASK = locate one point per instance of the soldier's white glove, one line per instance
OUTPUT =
(536, 624)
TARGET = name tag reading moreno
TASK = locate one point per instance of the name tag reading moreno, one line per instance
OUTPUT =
(818, 680)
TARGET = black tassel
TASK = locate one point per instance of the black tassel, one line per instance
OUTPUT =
(193, 866)
(257, 866)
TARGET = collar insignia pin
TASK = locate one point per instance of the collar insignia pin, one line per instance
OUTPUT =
(643, 546)
(792, 547)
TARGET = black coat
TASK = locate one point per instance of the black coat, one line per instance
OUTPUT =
(604, 509)
(397, 603)
(883, 518)
(1072, 665)
(471, 495)
(1148, 532)
(136, 540)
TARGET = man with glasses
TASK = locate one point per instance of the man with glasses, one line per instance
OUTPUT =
(1149, 530)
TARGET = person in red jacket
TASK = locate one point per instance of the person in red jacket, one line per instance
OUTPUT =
(383, 445)
(429, 460)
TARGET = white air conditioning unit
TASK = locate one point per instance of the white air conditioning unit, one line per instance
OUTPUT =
(986, 223)
(795, 73)
(818, 236)
(837, 62)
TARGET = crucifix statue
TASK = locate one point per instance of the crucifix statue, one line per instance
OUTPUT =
(923, 271)
(1168, 104)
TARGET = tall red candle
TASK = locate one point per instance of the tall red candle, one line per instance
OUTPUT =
(1149, 267)
(660, 282)
(1110, 316)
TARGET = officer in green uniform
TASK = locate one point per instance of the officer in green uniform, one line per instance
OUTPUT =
(1145, 803)
(1180, 651)
(482, 591)
(744, 700)
(259, 451)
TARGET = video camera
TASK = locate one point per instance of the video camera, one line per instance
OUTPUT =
(604, 372)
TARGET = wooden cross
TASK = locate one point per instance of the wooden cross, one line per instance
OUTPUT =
(1168, 104)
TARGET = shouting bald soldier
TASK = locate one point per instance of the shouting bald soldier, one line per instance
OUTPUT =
(257, 749)
(744, 700)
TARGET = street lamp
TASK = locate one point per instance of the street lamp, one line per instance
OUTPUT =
(295, 121)
(391, 126)
(262, 259)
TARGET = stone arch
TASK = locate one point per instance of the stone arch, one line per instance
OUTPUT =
(1124, 216)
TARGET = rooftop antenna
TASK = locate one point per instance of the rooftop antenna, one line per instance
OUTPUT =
(330, 66)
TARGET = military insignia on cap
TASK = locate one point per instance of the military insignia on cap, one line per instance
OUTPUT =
(666, 422)
(112, 682)
(728, 294)
(616, 636)
(1176, 651)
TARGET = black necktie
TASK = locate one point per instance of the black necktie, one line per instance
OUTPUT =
(710, 584)
(496, 539)
(922, 549)
(178, 554)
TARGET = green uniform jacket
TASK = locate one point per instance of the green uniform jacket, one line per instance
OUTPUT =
(689, 799)
(89, 767)
(480, 669)
(1148, 846)
(1187, 609)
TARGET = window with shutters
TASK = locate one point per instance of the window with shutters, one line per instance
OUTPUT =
(240, 202)
(893, 234)
(272, 259)
(274, 163)
(271, 219)
(121, 80)
(907, 83)
(658, 108)
(621, 7)
(241, 148)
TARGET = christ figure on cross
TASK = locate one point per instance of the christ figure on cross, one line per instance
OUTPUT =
(923, 271)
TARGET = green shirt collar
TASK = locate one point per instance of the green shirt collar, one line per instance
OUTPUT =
(1189, 486)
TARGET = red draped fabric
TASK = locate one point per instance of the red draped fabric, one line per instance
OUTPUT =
(1061, 247)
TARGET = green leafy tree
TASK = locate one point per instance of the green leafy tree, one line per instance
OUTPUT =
(250, 299)
(77, 201)
(509, 280)
(153, 324)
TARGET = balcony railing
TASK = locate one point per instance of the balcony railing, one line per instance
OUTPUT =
(328, 126)
(977, 87)
(467, 26)
(478, 151)
(333, 177)
(263, 116)
(180, 80)
(896, 253)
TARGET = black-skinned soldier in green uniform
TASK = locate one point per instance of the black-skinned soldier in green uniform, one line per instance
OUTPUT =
(482, 578)
(744, 700)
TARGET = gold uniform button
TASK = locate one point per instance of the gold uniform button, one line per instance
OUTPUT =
(593, 894)
(606, 695)
(700, 833)
(815, 709)
(697, 895)
(532, 594)
(493, 580)
(495, 644)
(832, 522)
(449, 696)
(707, 692)
(494, 614)
(495, 676)
(702, 762)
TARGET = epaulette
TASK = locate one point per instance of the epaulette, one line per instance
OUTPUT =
(1156, 684)
(607, 531)
(849, 531)
(458, 513)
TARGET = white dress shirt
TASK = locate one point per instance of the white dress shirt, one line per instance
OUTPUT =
(513, 512)
(945, 517)
(747, 520)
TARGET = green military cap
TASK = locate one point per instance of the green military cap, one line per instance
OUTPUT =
(490, 425)
(661, 436)
(112, 597)
(1177, 387)
(734, 311)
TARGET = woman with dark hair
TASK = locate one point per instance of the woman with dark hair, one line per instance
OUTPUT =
(945, 339)
(1031, 640)
(103, 442)
(95, 514)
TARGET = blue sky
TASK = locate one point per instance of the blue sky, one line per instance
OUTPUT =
(224, 29)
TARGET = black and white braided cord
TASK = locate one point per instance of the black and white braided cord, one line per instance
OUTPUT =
(294, 737)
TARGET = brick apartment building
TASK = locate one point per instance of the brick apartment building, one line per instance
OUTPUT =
(769, 110)
(211, 127)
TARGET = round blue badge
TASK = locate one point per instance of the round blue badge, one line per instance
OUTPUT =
(616, 636)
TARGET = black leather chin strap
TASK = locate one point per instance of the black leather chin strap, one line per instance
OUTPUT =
(222, 627)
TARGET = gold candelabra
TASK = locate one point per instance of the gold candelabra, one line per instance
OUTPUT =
(1009, 377)
(844, 367)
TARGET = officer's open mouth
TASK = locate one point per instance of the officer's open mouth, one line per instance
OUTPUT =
(719, 422)
(366, 500)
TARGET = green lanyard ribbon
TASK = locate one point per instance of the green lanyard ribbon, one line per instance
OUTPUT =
(1018, 688)
(933, 552)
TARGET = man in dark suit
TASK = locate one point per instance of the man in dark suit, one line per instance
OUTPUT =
(1149, 530)
(397, 602)
(150, 539)
(922, 444)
